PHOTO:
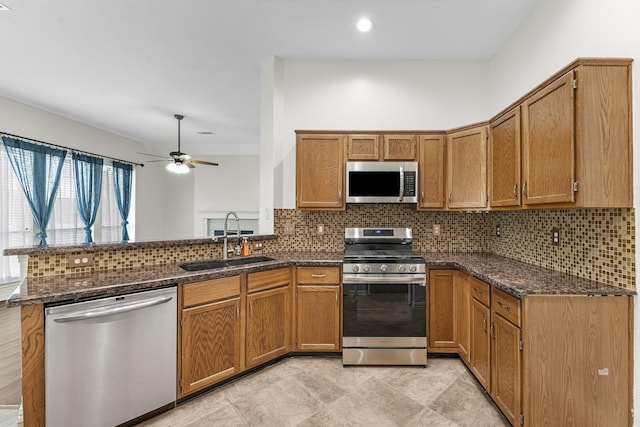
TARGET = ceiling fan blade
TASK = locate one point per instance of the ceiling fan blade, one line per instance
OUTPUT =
(154, 155)
(202, 162)
(155, 161)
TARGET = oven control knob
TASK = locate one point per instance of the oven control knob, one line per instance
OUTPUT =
(366, 268)
(384, 268)
(355, 269)
(413, 268)
(401, 268)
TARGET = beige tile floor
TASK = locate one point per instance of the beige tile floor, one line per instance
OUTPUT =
(305, 391)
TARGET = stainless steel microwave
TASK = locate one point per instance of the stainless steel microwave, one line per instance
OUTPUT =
(382, 182)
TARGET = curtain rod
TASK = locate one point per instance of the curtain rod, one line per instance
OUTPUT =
(70, 149)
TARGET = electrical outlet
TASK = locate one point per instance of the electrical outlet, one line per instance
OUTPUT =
(289, 228)
(320, 229)
(498, 231)
(436, 229)
(555, 236)
(80, 260)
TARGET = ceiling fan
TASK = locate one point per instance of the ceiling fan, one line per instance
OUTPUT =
(180, 162)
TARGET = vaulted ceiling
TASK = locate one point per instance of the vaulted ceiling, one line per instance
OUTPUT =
(127, 66)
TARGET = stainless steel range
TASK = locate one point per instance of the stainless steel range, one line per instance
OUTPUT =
(384, 299)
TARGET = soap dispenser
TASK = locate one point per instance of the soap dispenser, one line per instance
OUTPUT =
(245, 247)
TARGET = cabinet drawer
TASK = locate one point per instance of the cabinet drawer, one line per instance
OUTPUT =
(318, 275)
(480, 290)
(210, 290)
(268, 279)
(506, 305)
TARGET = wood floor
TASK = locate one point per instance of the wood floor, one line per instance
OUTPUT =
(10, 372)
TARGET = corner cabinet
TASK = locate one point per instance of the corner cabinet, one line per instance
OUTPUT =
(467, 168)
(504, 160)
(576, 138)
(268, 315)
(318, 298)
(210, 333)
(320, 171)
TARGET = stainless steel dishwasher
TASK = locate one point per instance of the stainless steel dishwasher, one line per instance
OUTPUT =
(110, 360)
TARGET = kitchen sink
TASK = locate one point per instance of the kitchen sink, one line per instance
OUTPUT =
(221, 263)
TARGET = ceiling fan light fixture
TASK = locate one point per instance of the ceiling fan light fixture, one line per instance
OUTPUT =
(178, 168)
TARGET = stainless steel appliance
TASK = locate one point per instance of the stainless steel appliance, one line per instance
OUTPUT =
(110, 360)
(382, 182)
(384, 299)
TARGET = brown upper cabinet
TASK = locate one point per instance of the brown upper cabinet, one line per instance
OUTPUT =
(320, 171)
(363, 147)
(381, 147)
(576, 138)
(504, 159)
(431, 171)
(399, 147)
(467, 168)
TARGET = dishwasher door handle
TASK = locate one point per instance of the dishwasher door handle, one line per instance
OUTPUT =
(111, 311)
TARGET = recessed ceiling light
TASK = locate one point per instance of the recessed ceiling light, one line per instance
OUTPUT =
(4, 8)
(364, 25)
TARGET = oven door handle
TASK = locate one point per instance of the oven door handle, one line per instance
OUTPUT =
(385, 279)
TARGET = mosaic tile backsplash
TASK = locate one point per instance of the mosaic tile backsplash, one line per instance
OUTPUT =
(597, 244)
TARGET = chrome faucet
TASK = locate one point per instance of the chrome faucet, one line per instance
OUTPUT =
(225, 249)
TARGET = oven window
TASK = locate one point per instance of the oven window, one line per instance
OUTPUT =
(373, 184)
(379, 310)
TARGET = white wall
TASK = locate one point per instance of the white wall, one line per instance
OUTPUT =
(381, 95)
(231, 186)
(29, 122)
(556, 33)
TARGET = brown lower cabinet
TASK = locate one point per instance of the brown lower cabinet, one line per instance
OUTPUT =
(442, 314)
(318, 298)
(210, 333)
(268, 315)
(547, 360)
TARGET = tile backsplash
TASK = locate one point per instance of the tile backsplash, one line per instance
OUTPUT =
(597, 244)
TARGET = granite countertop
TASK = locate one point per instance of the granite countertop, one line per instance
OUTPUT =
(73, 287)
(514, 277)
(519, 278)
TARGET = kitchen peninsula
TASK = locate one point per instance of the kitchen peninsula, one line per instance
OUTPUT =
(542, 298)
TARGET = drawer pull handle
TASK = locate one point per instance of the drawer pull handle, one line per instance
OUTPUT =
(503, 305)
(476, 290)
(318, 276)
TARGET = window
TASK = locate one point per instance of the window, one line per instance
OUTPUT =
(65, 225)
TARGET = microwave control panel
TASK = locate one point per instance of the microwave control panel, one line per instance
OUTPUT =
(410, 184)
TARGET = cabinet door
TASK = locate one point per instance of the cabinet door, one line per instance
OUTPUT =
(431, 171)
(548, 144)
(399, 147)
(504, 160)
(267, 325)
(318, 309)
(480, 342)
(320, 172)
(505, 367)
(210, 344)
(463, 302)
(442, 311)
(467, 168)
(363, 147)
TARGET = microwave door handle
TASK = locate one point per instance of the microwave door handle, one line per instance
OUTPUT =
(401, 196)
